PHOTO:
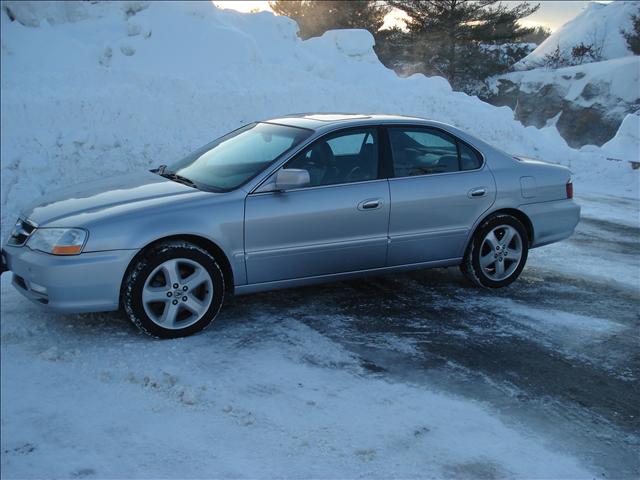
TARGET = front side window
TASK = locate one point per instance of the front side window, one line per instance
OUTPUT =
(340, 158)
(231, 160)
(423, 151)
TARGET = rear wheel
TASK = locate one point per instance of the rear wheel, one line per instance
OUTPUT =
(173, 289)
(497, 253)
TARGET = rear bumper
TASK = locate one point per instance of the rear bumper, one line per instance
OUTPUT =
(552, 221)
(89, 282)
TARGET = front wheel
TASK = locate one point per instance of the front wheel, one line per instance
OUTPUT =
(173, 289)
(497, 253)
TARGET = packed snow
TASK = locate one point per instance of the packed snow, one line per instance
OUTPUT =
(599, 24)
(293, 404)
(93, 89)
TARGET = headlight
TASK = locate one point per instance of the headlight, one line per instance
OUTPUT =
(58, 241)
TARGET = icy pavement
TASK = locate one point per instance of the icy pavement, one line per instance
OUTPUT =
(411, 375)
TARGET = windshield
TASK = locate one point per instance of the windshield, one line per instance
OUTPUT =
(231, 160)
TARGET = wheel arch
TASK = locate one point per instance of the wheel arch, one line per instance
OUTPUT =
(519, 214)
(202, 242)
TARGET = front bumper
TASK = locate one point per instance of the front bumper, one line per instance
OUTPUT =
(89, 282)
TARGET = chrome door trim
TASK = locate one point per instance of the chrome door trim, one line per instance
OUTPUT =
(457, 172)
(305, 189)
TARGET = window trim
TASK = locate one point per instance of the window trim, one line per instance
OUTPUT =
(392, 175)
(317, 187)
(385, 169)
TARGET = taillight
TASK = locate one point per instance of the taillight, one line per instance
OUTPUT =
(569, 189)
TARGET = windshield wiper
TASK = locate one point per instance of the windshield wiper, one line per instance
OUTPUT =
(161, 170)
(176, 178)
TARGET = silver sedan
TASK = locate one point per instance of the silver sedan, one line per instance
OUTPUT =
(287, 202)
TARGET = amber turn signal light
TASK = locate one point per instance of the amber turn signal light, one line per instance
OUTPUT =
(66, 250)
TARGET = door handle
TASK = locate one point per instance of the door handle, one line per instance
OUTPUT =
(372, 204)
(477, 192)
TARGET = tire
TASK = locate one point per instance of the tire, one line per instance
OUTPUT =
(173, 289)
(487, 263)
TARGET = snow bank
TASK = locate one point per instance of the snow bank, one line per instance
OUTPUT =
(102, 88)
(598, 24)
(34, 14)
(626, 144)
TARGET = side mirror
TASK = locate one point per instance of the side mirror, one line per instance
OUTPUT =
(287, 179)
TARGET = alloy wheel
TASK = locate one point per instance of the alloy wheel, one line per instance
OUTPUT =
(501, 252)
(177, 293)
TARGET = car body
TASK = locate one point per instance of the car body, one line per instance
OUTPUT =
(414, 208)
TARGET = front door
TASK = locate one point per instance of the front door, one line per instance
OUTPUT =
(440, 188)
(338, 223)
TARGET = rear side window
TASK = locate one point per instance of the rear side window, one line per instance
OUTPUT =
(423, 151)
(469, 158)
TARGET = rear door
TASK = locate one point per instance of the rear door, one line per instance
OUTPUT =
(440, 187)
(336, 224)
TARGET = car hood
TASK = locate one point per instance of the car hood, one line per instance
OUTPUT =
(101, 195)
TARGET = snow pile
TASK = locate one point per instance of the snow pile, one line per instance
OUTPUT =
(626, 144)
(55, 12)
(599, 24)
(94, 89)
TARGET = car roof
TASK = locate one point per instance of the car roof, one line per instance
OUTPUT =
(329, 121)
(322, 123)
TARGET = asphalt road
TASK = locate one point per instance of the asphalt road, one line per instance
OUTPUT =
(555, 351)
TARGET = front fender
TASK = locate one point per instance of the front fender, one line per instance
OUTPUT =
(216, 218)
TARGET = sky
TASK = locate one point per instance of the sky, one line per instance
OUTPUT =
(552, 14)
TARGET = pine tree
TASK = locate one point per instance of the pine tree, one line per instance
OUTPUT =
(314, 17)
(538, 35)
(453, 35)
(633, 37)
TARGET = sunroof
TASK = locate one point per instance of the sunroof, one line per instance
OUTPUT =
(334, 117)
